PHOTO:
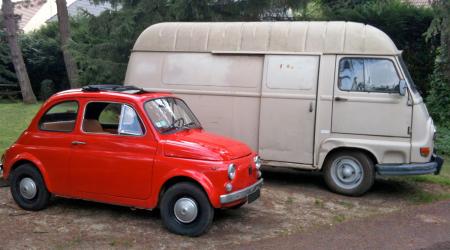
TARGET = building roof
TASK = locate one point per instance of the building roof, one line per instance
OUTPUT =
(85, 5)
(420, 3)
(27, 9)
(264, 37)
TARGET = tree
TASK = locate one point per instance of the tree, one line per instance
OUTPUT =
(7, 75)
(439, 96)
(16, 54)
(64, 34)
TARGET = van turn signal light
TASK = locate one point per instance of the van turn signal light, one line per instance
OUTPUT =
(424, 151)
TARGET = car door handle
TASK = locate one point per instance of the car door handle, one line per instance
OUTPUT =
(340, 99)
(78, 143)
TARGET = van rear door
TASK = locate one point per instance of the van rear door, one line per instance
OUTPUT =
(288, 103)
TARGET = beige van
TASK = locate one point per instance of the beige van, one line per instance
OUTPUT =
(323, 96)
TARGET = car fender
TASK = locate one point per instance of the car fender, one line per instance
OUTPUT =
(198, 177)
(25, 156)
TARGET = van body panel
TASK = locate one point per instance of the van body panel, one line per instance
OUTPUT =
(276, 87)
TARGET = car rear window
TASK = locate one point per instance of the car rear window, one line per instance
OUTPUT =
(61, 117)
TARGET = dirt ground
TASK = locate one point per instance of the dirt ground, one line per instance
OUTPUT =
(291, 202)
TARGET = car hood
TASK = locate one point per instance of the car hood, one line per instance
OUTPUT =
(201, 145)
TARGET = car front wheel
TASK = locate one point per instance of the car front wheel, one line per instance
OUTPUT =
(349, 173)
(28, 188)
(186, 210)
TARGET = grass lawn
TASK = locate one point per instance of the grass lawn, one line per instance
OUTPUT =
(14, 119)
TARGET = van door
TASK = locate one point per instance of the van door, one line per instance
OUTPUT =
(367, 100)
(288, 103)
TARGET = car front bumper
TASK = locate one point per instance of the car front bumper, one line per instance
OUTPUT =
(432, 167)
(241, 194)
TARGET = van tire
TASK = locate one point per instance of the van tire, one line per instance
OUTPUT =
(34, 195)
(192, 195)
(349, 172)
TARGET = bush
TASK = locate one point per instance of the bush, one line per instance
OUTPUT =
(443, 140)
(47, 89)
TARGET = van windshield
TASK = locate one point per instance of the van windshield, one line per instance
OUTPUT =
(170, 114)
(408, 76)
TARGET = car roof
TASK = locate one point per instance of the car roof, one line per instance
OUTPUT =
(101, 94)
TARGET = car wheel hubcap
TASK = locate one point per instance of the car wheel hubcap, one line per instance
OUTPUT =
(347, 172)
(28, 188)
(185, 210)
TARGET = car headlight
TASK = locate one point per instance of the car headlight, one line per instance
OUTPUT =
(231, 171)
(257, 161)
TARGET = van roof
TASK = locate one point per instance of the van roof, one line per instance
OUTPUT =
(267, 37)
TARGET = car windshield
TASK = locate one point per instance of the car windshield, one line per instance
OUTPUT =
(408, 75)
(170, 115)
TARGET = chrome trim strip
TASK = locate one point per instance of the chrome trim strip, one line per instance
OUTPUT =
(240, 194)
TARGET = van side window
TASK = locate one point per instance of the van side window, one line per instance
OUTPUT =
(60, 118)
(368, 75)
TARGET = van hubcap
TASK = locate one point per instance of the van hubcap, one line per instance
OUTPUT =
(185, 210)
(347, 172)
(27, 188)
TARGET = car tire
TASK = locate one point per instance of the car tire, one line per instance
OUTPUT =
(28, 188)
(185, 209)
(349, 173)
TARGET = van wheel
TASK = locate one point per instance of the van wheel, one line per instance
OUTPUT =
(349, 173)
(28, 188)
(186, 210)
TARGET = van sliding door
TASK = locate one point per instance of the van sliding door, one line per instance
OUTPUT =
(288, 103)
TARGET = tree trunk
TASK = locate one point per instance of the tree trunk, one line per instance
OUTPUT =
(64, 33)
(16, 54)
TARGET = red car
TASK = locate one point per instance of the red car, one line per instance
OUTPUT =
(126, 146)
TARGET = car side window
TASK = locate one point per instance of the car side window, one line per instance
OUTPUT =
(368, 75)
(111, 118)
(60, 117)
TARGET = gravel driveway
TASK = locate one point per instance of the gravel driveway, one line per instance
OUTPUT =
(291, 202)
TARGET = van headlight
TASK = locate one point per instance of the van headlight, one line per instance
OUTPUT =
(257, 161)
(231, 171)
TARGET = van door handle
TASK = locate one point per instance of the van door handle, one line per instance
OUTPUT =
(340, 99)
(310, 107)
(78, 143)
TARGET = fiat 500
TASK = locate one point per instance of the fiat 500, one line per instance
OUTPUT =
(125, 146)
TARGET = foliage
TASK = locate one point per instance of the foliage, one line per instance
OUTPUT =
(443, 140)
(439, 95)
(43, 57)
(47, 89)
(403, 22)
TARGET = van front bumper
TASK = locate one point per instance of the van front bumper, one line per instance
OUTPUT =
(243, 193)
(432, 167)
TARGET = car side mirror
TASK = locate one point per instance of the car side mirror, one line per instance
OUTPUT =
(402, 87)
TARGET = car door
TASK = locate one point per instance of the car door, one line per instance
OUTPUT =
(367, 100)
(288, 103)
(55, 133)
(113, 154)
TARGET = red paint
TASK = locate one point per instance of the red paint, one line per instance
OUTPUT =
(128, 170)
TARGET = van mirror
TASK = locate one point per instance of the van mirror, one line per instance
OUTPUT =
(402, 87)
